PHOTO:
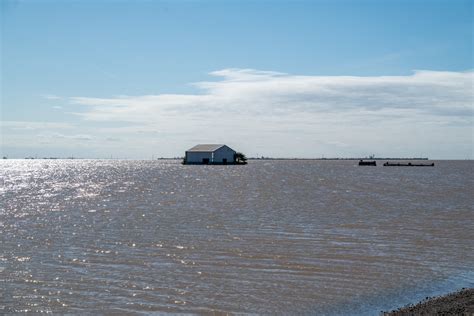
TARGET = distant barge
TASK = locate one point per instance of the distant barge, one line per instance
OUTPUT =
(388, 164)
(367, 163)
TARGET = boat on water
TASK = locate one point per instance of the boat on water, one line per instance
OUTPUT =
(390, 164)
(367, 163)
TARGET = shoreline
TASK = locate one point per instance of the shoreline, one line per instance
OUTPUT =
(456, 303)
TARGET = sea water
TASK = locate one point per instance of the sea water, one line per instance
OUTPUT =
(284, 237)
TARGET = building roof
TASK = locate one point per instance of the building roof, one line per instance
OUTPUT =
(205, 148)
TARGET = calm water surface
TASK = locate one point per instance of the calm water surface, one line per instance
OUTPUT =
(306, 237)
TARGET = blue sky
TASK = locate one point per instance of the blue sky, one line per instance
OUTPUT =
(275, 78)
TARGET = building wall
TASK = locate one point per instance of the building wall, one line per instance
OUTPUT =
(217, 156)
(197, 157)
(224, 153)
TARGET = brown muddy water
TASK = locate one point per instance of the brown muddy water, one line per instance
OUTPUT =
(272, 237)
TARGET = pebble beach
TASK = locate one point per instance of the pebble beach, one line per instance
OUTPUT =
(457, 303)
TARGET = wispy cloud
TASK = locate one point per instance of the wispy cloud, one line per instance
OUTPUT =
(265, 93)
(112, 139)
(34, 125)
(273, 113)
(52, 136)
(276, 114)
(51, 97)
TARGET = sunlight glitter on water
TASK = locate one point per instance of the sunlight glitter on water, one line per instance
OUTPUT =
(270, 237)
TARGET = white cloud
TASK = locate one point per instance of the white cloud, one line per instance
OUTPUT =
(247, 91)
(53, 137)
(272, 113)
(112, 139)
(277, 114)
(62, 136)
(33, 125)
(51, 97)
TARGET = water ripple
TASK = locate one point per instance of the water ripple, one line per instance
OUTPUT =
(309, 237)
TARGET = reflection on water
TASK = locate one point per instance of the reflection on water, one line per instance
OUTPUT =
(272, 236)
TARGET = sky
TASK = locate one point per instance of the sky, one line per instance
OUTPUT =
(142, 79)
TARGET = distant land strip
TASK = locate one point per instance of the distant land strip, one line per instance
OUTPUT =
(250, 158)
(335, 158)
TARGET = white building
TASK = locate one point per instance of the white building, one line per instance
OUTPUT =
(210, 154)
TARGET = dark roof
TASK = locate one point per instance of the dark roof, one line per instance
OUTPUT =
(205, 148)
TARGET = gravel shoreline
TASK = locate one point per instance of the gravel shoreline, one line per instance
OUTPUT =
(457, 303)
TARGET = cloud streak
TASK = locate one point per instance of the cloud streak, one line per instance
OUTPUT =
(34, 125)
(52, 136)
(277, 114)
(51, 97)
(265, 93)
(274, 114)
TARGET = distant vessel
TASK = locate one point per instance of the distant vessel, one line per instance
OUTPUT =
(388, 164)
(367, 163)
